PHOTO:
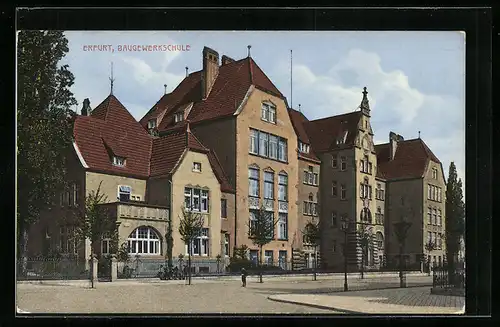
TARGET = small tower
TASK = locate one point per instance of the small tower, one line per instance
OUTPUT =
(365, 104)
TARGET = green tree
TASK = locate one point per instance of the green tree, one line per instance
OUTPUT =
(190, 227)
(95, 222)
(44, 125)
(261, 230)
(455, 219)
(312, 236)
(429, 246)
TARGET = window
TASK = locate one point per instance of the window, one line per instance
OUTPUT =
(365, 166)
(254, 256)
(135, 197)
(268, 145)
(282, 255)
(439, 218)
(343, 163)
(334, 188)
(144, 240)
(343, 192)
(197, 166)
(434, 173)
(439, 194)
(365, 190)
(310, 177)
(379, 216)
(196, 199)
(434, 216)
(118, 161)
(310, 207)
(254, 141)
(268, 113)
(75, 194)
(282, 150)
(282, 226)
(283, 187)
(124, 192)
(264, 143)
(273, 147)
(106, 246)
(200, 245)
(303, 147)
(268, 185)
(253, 181)
(178, 117)
(439, 241)
(223, 208)
(67, 240)
(268, 257)
(434, 238)
(429, 237)
(334, 218)
(151, 123)
(226, 245)
(334, 161)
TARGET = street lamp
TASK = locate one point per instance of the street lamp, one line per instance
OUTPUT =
(401, 229)
(345, 229)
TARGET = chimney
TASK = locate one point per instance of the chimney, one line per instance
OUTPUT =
(86, 107)
(210, 70)
(226, 60)
(393, 144)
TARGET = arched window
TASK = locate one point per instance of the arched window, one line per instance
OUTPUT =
(145, 241)
(365, 215)
(380, 241)
(311, 197)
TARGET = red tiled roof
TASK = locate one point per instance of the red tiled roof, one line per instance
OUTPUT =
(229, 90)
(410, 160)
(323, 133)
(168, 149)
(298, 120)
(111, 126)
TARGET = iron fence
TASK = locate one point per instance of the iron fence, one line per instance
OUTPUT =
(444, 277)
(52, 268)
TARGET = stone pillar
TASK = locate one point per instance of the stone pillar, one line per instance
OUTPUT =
(114, 268)
(94, 268)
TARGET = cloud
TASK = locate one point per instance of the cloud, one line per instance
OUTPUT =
(395, 104)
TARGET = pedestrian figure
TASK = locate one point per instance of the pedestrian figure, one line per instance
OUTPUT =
(244, 277)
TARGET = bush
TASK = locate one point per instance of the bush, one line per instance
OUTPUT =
(236, 264)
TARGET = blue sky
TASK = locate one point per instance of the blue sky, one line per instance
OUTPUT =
(415, 80)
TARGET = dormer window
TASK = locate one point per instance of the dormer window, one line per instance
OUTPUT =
(342, 139)
(118, 161)
(178, 117)
(151, 123)
(268, 112)
(304, 148)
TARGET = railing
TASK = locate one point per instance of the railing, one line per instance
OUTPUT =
(142, 212)
(443, 278)
(52, 268)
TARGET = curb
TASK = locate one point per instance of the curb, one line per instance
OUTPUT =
(317, 306)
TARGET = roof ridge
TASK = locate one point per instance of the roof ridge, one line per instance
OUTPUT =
(336, 116)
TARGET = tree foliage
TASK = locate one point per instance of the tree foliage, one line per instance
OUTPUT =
(190, 227)
(44, 123)
(95, 221)
(311, 233)
(455, 214)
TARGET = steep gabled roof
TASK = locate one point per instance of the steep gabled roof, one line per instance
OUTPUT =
(168, 150)
(228, 92)
(298, 120)
(410, 160)
(324, 133)
(111, 128)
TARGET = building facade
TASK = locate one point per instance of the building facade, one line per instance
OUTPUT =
(224, 143)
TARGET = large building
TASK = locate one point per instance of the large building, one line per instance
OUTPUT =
(225, 142)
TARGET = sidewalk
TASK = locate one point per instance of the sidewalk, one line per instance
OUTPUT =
(389, 301)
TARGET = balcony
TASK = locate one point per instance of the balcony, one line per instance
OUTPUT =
(138, 210)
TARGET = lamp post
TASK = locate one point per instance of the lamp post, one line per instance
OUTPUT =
(401, 229)
(345, 229)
